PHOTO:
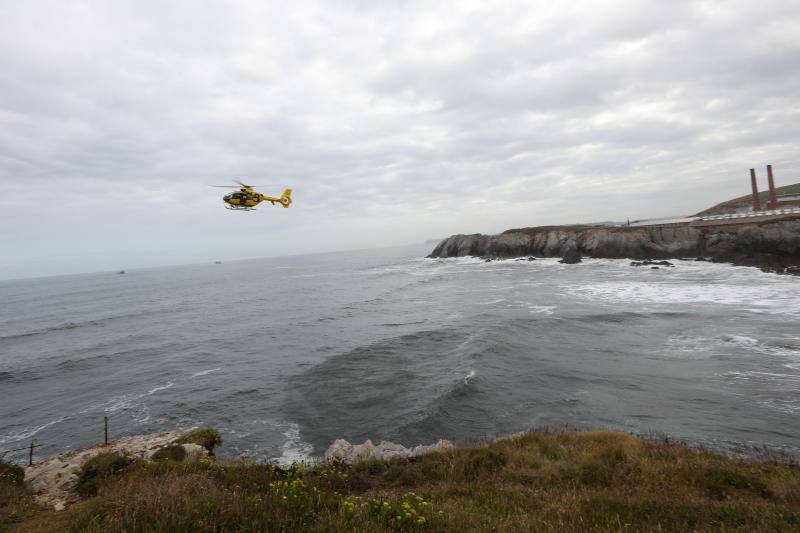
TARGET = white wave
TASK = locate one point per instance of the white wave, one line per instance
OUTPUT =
(784, 406)
(28, 432)
(204, 372)
(775, 298)
(755, 375)
(740, 340)
(542, 309)
(295, 449)
(160, 387)
(498, 301)
(125, 402)
(701, 346)
(690, 347)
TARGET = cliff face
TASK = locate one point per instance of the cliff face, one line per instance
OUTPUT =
(773, 246)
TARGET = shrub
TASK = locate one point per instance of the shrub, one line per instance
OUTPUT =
(97, 468)
(721, 483)
(11, 474)
(208, 438)
(173, 452)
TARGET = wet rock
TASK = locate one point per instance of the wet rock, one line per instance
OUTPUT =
(571, 257)
(649, 262)
(531, 258)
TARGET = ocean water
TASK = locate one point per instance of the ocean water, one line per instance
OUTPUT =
(285, 355)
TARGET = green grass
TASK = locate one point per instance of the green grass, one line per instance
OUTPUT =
(99, 468)
(173, 452)
(730, 205)
(535, 230)
(16, 501)
(540, 481)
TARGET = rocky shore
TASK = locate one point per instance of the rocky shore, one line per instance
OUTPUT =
(547, 479)
(771, 246)
(53, 481)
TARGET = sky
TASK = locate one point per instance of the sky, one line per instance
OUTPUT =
(394, 122)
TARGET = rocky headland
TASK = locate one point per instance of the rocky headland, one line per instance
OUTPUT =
(773, 246)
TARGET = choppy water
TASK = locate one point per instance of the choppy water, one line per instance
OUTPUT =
(285, 355)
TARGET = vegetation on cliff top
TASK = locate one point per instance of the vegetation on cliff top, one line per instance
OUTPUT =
(542, 480)
(730, 206)
(535, 230)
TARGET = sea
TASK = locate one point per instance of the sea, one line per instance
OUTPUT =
(285, 355)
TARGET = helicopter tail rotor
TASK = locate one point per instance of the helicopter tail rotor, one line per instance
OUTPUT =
(286, 198)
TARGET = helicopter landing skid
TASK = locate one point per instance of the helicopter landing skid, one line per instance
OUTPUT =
(232, 208)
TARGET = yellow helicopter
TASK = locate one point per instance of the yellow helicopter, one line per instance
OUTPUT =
(245, 199)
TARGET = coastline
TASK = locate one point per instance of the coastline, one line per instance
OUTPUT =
(772, 246)
(538, 479)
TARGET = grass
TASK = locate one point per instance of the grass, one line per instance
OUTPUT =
(16, 501)
(540, 481)
(535, 230)
(747, 200)
(99, 468)
(173, 452)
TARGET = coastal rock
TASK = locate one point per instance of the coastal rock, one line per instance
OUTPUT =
(54, 479)
(194, 452)
(342, 451)
(648, 262)
(571, 257)
(773, 246)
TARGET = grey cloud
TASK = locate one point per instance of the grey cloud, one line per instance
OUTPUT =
(404, 118)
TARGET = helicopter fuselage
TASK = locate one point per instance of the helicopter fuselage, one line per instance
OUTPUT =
(247, 198)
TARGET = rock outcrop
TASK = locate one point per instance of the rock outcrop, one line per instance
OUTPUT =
(571, 257)
(342, 451)
(773, 246)
(54, 479)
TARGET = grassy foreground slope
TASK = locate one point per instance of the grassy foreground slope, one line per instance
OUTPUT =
(539, 481)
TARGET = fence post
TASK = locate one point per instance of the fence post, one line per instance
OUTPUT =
(30, 456)
(105, 423)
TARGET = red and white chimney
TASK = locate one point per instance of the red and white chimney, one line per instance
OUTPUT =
(756, 199)
(773, 197)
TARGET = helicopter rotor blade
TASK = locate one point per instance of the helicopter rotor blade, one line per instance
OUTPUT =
(225, 186)
(246, 186)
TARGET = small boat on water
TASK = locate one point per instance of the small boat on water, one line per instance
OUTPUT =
(121, 272)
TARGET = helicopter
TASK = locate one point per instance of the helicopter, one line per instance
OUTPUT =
(245, 199)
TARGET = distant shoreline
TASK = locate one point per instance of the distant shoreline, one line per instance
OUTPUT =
(773, 246)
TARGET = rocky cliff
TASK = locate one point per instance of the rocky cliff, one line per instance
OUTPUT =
(773, 246)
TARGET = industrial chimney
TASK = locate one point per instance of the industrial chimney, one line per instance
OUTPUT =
(756, 199)
(773, 197)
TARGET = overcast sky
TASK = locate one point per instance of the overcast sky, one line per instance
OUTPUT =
(394, 122)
